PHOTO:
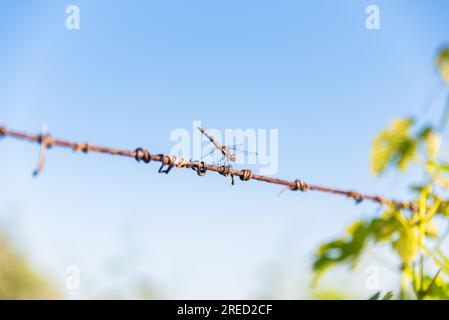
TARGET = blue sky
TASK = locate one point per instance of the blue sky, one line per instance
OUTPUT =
(136, 71)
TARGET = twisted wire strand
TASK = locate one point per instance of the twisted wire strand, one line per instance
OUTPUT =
(201, 167)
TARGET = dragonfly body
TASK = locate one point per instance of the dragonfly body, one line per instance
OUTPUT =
(225, 150)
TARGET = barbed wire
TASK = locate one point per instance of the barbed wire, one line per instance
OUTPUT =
(169, 161)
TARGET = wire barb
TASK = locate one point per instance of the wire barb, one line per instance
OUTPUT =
(84, 147)
(46, 142)
(166, 161)
(226, 171)
(142, 155)
(247, 175)
(297, 185)
(300, 185)
(200, 167)
(171, 162)
(178, 162)
(357, 196)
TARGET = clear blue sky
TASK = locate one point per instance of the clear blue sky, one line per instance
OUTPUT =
(137, 70)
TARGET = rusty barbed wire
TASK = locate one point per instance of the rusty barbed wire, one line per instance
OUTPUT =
(46, 141)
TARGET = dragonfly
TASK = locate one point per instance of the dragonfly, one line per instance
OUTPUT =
(228, 152)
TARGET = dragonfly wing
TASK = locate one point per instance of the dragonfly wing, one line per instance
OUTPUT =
(208, 153)
(244, 151)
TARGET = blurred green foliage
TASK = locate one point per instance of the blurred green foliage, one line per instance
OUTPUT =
(442, 64)
(378, 296)
(394, 145)
(329, 294)
(18, 280)
(411, 233)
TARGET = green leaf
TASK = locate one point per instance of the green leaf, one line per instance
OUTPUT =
(442, 64)
(431, 230)
(388, 296)
(443, 208)
(443, 167)
(348, 248)
(385, 227)
(417, 188)
(377, 296)
(435, 288)
(407, 244)
(394, 146)
(432, 141)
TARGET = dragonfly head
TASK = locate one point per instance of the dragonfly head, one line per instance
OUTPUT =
(232, 158)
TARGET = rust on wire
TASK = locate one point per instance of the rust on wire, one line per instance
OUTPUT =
(142, 154)
(200, 167)
(246, 176)
(84, 147)
(169, 161)
(300, 185)
(165, 162)
(226, 171)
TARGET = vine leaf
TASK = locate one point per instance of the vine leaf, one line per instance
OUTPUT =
(432, 141)
(442, 64)
(434, 288)
(407, 244)
(443, 208)
(377, 296)
(394, 146)
(348, 248)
